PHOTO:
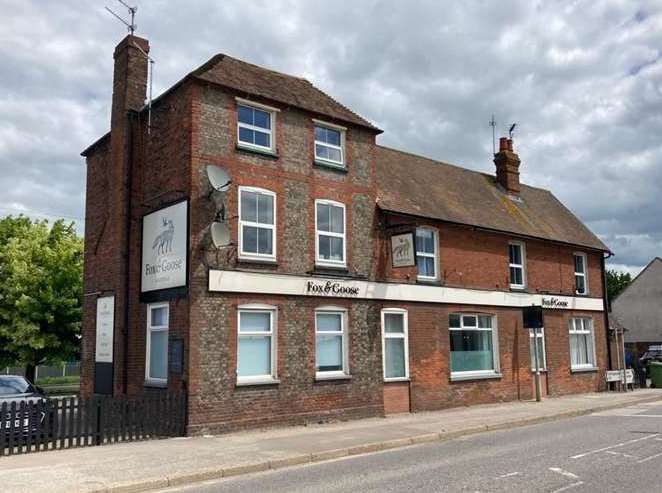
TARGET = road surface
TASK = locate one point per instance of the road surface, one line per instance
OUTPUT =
(612, 451)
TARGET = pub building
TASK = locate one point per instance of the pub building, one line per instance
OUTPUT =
(249, 242)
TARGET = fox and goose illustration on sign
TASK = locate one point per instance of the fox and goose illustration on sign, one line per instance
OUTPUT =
(163, 241)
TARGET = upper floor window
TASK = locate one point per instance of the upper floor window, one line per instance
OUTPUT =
(156, 360)
(257, 225)
(330, 233)
(581, 279)
(256, 344)
(329, 144)
(517, 259)
(582, 344)
(331, 342)
(255, 124)
(394, 344)
(473, 345)
(426, 253)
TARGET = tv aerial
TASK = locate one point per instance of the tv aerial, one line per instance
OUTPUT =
(511, 130)
(131, 26)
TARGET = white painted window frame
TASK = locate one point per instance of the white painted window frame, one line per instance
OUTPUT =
(477, 374)
(540, 334)
(273, 334)
(324, 262)
(521, 266)
(434, 255)
(392, 335)
(148, 343)
(581, 274)
(330, 162)
(592, 365)
(272, 123)
(250, 255)
(334, 374)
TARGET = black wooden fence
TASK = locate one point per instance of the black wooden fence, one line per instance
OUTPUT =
(68, 422)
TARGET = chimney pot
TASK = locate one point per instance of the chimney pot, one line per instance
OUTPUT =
(510, 145)
(503, 144)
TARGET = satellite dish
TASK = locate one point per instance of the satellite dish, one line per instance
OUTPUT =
(220, 234)
(218, 178)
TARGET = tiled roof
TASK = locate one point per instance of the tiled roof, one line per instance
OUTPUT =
(294, 91)
(418, 186)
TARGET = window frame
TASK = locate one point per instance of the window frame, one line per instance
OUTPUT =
(148, 342)
(330, 162)
(539, 333)
(591, 365)
(522, 266)
(241, 223)
(331, 263)
(476, 374)
(271, 131)
(391, 335)
(581, 274)
(273, 334)
(435, 255)
(334, 374)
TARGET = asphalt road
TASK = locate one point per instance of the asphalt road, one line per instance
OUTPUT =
(613, 451)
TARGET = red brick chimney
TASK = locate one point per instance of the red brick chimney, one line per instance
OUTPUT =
(507, 167)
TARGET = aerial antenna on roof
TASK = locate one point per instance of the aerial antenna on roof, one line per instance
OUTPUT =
(131, 26)
(493, 125)
(512, 129)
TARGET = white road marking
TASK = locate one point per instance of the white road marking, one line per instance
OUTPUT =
(649, 458)
(573, 485)
(579, 456)
(621, 453)
(633, 415)
(509, 475)
(567, 474)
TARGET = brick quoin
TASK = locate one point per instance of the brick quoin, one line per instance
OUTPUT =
(194, 125)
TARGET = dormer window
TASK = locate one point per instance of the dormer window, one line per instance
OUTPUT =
(329, 144)
(255, 126)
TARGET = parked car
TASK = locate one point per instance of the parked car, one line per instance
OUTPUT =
(28, 417)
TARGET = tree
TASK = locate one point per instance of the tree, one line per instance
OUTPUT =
(616, 282)
(40, 293)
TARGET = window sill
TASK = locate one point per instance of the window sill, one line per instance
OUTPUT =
(400, 379)
(428, 282)
(256, 150)
(257, 381)
(335, 267)
(341, 168)
(257, 260)
(155, 384)
(475, 376)
(324, 377)
(586, 369)
(520, 289)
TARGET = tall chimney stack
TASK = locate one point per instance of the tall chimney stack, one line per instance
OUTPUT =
(507, 167)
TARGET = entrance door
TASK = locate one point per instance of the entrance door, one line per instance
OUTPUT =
(395, 355)
(537, 337)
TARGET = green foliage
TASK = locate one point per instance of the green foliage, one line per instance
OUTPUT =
(41, 269)
(45, 381)
(616, 282)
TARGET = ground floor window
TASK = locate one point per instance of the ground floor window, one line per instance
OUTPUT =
(156, 367)
(256, 344)
(537, 338)
(582, 344)
(330, 342)
(473, 345)
(394, 344)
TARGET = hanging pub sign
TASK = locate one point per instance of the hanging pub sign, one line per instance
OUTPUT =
(532, 317)
(165, 253)
(402, 250)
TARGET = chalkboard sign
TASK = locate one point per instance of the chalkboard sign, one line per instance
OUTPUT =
(176, 356)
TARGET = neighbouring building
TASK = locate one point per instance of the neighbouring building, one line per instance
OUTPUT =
(343, 279)
(638, 309)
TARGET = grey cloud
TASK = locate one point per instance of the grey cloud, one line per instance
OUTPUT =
(583, 79)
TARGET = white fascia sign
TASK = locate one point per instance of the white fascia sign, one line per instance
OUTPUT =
(165, 248)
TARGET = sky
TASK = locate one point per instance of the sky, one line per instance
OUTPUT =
(583, 80)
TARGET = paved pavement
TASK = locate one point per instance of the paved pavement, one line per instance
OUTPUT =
(158, 464)
(604, 452)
